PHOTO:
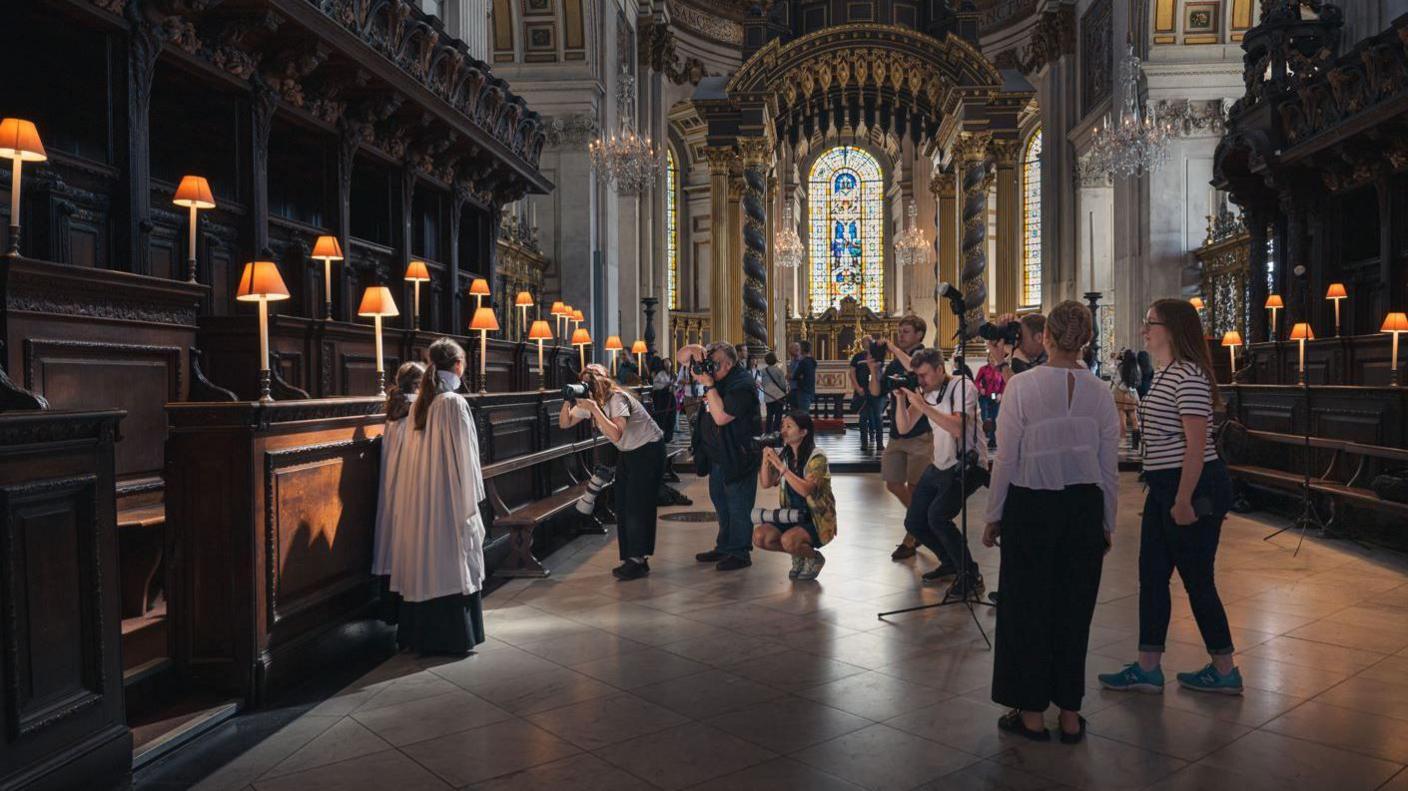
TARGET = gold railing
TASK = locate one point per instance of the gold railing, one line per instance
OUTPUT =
(520, 268)
(1226, 267)
(687, 328)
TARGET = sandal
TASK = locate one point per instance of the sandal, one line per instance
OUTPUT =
(1074, 738)
(1012, 723)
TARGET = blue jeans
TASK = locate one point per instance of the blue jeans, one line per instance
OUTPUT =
(937, 499)
(989, 406)
(804, 401)
(733, 502)
(872, 418)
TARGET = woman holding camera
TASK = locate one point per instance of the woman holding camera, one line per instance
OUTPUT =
(1055, 486)
(639, 467)
(805, 477)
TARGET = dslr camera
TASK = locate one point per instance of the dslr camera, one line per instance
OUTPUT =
(908, 380)
(1009, 333)
(876, 350)
(770, 440)
(573, 391)
(704, 367)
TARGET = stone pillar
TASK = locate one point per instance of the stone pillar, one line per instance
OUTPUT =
(971, 158)
(1006, 154)
(944, 187)
(757, 161)
(720, 299)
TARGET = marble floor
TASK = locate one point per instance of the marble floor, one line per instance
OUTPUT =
(698, 679)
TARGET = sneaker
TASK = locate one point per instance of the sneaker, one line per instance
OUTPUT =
(943, 572)
(1133, 678)
(1209, 680)
(712, 556)
(992, 597)
(733, 563)
(798, 563)
(902, 552)
(631, 570)
(969, 587)
(811, 567)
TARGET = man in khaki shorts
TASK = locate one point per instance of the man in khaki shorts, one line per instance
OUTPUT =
(909, 453)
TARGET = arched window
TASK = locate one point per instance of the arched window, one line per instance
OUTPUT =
(672, 259)
(845, 198)
(1031, 222)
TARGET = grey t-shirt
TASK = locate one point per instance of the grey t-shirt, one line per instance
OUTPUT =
(641, 429)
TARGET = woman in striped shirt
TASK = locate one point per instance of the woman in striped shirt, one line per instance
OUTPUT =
(1189, 494)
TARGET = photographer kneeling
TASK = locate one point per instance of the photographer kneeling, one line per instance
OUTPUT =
(640, 464)
(939, 497)
(806, 519)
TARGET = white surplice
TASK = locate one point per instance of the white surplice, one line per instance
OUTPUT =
(439, 536)
(394, 472)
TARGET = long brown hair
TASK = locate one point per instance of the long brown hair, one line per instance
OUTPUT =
(600, 384)
(398, 402)
(441, 356)
(1186, 340)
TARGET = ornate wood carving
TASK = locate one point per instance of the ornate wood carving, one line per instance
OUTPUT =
(1097, 72)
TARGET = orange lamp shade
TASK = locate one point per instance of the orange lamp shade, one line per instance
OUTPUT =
(1336, 291)
(416, 271)
(1274, 301)
(194, 191)
(484, 319)
(326, 249)
(577, 315)
(638, 347)
(1302, 332)
(581, 337)
(1232, 338)
(613, 342)
(1196, 302)
(540, 331)
(377, 301)
(261, 280)
(20, 140)
(523, 300)
(480, 287)
(1395, 322)
(557, 309)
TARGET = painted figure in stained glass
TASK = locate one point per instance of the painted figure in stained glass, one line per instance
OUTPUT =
(847, 228)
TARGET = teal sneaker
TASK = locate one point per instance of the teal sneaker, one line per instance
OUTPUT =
(1133, 678)
(1209, 680)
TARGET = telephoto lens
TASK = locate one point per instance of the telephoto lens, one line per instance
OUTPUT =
(573, 391)
(777, 516)
(908, 380)
(705, 367)
(601, 478)
(773, 440)
(876, 350)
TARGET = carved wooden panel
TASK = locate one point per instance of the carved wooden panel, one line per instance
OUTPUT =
(358, 372)
(1097, 58)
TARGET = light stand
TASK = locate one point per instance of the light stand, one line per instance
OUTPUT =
(1308, 517)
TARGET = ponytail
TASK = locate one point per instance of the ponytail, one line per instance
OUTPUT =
(398, 401)
(441, 356)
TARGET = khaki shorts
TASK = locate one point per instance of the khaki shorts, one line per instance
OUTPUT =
(905, 460)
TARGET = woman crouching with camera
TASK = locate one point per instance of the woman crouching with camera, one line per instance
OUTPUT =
(1055, 486)
(640, 465)
(807, 517)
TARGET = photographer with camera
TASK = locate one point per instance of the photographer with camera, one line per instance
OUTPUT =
(724, 450)
(870, 409)
(1027, 342)
(640, 465)
(806, 519)
(940, 494)
(907, 455)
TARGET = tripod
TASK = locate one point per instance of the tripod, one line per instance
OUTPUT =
(962, 581)
(1308, 517)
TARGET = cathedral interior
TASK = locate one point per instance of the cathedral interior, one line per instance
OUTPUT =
(228, 223)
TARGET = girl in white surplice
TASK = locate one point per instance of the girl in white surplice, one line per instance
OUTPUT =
(394, 439)
(438, 561)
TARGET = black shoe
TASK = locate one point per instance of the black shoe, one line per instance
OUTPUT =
(631, 570)
(733, 563)
(1011, 722)
(940, 573)
(712, 556)
(1077, 737)
(969, 587)
(902, 552)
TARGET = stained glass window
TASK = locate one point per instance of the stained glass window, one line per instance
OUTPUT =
(1031, 222)
(845, 198)
(672, 261)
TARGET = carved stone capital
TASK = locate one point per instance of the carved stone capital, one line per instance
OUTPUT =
(1005, 153)
(721, 159)
(755, 151)
(972, 147)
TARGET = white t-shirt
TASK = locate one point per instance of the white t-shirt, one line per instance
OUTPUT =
(947, 400)
(641, 429)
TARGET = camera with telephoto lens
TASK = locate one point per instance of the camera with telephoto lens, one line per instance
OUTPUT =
(908, 380)
(876, 350)
(704, 367)
(601, 478)
(778, 516)
(573, 391)
(1009, 333)
(772, 440)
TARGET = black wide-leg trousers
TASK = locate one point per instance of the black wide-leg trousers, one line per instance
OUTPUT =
(1053, 548)
(637, 484)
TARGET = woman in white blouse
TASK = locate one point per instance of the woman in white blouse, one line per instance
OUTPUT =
(1055, 486)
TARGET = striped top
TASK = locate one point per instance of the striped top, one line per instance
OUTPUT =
(1180, 390)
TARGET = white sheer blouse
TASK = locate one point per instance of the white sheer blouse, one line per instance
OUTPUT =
(1051, 435)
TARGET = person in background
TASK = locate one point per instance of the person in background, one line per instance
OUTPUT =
(1189, 494)
(774, 380)
(870, 409)
(802, 379)
(805, 479)
(662, 397)
(438, 563)
(1146, 373)
(1030, 350)
(990, 384)
(907, 456)
(1055, 489)
(1126, 389)
(723, 450)
(394, 462)
(640, 463)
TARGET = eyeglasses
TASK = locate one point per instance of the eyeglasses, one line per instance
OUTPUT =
(1148, 324)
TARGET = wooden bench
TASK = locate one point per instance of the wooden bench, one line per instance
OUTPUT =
(1353, 490)
(521, 523)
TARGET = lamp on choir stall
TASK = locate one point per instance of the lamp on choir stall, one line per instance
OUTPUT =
(582, 339)
(1196, 302)
(1335, 294)
(613, 344)
(1302, 332)
(1273, 304)
(261, 283)
(327, 250)
(416, 273)
(1232, 339)
(480, 289)
(378, 304)
(19, 143)
(567, 319)
(194, 194)
(540, 332)
(579, 318)
(1394, 324)
(639, 349)
(486, 322)
(556, 312)
(523, 302)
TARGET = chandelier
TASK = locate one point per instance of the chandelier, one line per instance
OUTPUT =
(629, 162)
(1135, 142)
(789, 250)
(912, 248)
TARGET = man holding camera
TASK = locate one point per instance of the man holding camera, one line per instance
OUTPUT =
(870, 409)
(947, 404)
(724, 450)
(802, 375)
(1029, 351)
(903, 462)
